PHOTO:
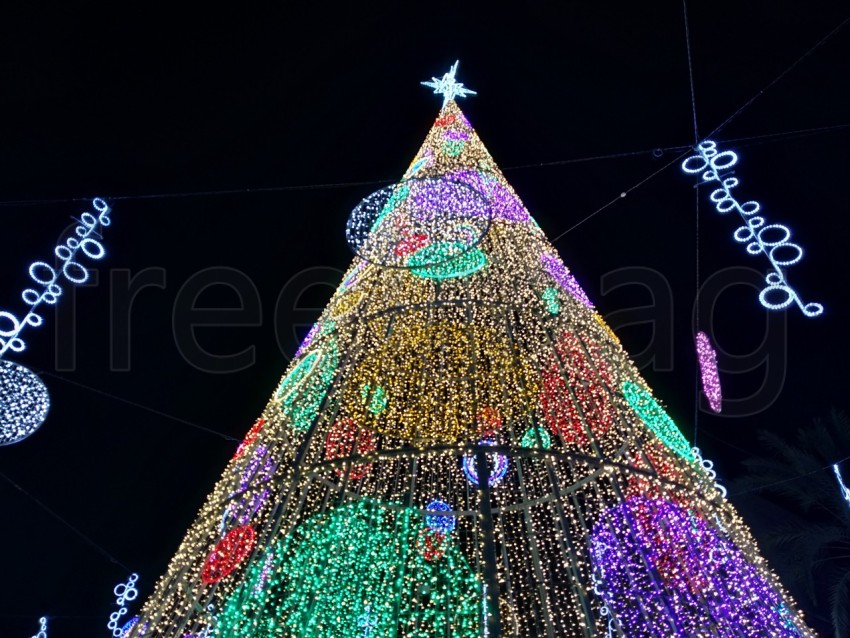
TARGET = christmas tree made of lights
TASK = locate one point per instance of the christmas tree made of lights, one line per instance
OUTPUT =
(461, 447)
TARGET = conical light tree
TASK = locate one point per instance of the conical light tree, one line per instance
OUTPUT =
(461, 447)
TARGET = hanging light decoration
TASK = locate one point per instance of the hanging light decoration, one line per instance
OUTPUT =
(708, 371)
(24, 400)
(770, 240)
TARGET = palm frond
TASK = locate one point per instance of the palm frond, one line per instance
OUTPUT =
(839, 599)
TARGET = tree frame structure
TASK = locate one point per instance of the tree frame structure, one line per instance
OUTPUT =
(461, 447)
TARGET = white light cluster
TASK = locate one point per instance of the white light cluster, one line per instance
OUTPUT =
(24, 402)
(772, 240)
(124, 592)
(447, 87)
(48, 276)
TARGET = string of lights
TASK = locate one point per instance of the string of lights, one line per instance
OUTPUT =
(770, 240)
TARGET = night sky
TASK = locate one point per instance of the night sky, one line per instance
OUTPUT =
(182, 119)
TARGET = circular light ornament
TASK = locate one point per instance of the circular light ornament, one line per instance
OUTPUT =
(228, 554)
(24, 402)
(297, 377)
(440, 523)
(432, 545)
(663, 570)
(397, 220)
(498, 471)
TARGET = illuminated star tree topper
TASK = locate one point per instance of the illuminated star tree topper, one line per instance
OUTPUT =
(447, 86)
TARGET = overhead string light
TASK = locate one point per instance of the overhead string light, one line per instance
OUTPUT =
(770, 240)
(24, 399)
(460, 447)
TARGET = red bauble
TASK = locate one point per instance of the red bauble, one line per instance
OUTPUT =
(489, 421)
(432, 544)
(347, 439)
(250, 437)
(410, 244)
(228, 554)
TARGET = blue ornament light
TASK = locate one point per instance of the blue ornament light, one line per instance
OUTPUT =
(500, 466)
(440, 523)
(447, 87)
(128, 626)
(124, 593)
(771, 240)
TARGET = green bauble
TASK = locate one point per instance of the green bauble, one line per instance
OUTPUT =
(301, 393)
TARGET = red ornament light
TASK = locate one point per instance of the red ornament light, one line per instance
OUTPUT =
(489, 421)
(410, 244)
(346, 439)
(250, 437)
(676, 562)
(445, 121)
(586, 379)
(228, 554)
(432, 544)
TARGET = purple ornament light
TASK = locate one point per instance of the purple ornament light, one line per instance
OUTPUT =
(662, 571)
(308, 339)
(708, 371)
(455, 134)
(561, 274)
(503, 203)
(246, 503)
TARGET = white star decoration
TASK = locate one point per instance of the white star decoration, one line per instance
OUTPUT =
(448, 87)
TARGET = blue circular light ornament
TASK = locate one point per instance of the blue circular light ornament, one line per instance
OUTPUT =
(440, 523)
(498, 471)
(24, 402)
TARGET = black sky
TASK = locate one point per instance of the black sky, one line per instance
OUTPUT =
(128, 101)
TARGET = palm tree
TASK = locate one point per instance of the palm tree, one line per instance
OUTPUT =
(809, 542)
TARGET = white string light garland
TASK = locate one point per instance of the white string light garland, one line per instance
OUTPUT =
(771, 240)
(24, 400)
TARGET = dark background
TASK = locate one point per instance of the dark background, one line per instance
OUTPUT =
(129, 101)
